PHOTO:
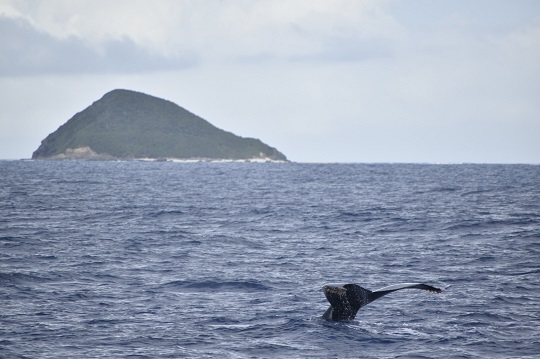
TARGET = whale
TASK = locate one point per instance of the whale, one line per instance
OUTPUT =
(345, 300)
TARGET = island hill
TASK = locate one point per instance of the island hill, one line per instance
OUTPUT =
(129, 125)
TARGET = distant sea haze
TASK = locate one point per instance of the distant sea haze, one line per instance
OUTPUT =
(160, 259)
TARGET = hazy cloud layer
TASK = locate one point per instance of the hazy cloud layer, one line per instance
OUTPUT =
(105, 36)
(28, 51)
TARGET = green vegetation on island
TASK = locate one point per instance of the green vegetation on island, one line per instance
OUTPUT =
(126, 124)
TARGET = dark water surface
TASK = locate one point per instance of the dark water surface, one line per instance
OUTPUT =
(149, 260)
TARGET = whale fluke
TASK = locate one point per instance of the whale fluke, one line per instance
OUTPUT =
(346, 300)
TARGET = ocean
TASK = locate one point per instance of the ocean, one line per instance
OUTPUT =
(227, 260)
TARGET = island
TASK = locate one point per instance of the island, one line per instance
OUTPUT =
(129, 125)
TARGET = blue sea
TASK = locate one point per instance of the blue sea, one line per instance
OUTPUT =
(227, 260)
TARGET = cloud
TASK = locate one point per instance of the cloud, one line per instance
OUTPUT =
(27, 51)
(122, 36)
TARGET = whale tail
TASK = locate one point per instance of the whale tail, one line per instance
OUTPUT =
(346, 300)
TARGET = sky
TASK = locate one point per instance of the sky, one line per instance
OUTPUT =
(416, 81)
